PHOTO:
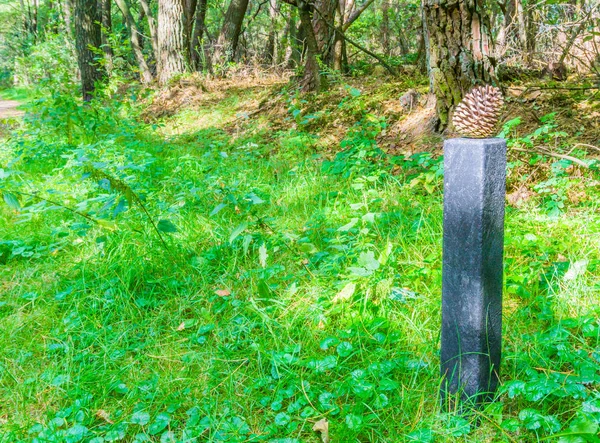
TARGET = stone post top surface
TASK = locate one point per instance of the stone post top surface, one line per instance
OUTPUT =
(474, 141)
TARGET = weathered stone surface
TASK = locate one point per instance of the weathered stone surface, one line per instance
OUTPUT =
(474, 193)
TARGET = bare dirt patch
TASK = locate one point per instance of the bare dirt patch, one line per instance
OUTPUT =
(8, 109)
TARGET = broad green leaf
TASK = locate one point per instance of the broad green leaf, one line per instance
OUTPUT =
(282, 419)
(161, 421)
(237, 231)
(354, 422)
(166, 226)
(344, 349)
(12, 201)
(348, 226)
(141, 418)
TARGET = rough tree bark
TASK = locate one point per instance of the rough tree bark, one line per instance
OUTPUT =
(196, 46)
(136, 44)
(228, 39)
(189, 15)
(324, 16)
(171, 41)
(459, 49)
(105, 6)
(311, 79)
(87, 37)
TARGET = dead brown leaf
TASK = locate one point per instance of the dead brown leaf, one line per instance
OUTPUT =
(322, 427)
(103, 415)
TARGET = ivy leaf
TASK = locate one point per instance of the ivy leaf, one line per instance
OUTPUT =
(344, 349)
(354, 422)
(76, 433)
(159, 424)
(282, 419)
(141, 418)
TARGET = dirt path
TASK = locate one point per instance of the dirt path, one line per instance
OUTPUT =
(8, 109)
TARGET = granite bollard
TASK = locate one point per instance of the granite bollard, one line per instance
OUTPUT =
(471, 342)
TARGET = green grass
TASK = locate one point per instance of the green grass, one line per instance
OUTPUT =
(19, 94)
(290, 289)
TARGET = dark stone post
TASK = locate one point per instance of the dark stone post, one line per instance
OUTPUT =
(474, 193)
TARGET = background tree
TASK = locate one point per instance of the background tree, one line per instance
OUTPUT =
(227, 42)
(88, 40)
(136, 42)
(171, 39)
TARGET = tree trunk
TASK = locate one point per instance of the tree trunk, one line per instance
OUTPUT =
(136, 44)
(385, 28)
(530, 33)
(311, 79)
(151, 26)
(66, 7)
(105, 6)
(171, 42)
(459, 50)
(324, 16)
(271, 51)
(87, 36)
(197, 48)
(522, 27)
(189, 13)
(34, 20)
(293, 53)
(229, 36)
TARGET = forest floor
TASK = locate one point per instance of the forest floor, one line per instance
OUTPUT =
(235, 262)
(9, 109)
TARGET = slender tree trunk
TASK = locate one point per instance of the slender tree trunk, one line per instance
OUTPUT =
(530, 33)
(189, 13)
(293, 54)
(385, 27)
(229, 36)
(136, 43)
(66, 7)
(34, 20)
(197, 48)
(87, 36)
(311, 79)
(271, 51)
(459, 50)
(105, 6)
(151, 26)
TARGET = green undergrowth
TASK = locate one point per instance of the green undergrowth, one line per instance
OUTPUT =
(167, 285)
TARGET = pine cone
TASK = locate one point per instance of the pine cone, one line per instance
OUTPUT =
(476, 116)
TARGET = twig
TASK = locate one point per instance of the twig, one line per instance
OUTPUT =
(554, 154)
(585, 145)
(358, 46)
(568, 88)
(60, 205)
